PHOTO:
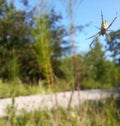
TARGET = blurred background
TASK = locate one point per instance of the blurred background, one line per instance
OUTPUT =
(44, 49)
(46, 43)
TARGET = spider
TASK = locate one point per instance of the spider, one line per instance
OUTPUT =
(104, 28)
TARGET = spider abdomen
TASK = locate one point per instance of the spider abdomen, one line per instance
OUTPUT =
(104, 27)
(105, 24)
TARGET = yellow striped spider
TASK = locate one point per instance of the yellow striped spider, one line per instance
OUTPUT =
(104, 28)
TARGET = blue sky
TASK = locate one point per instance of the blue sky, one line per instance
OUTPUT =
(89, 11)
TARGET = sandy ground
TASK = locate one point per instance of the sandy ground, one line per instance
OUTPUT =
(49, 101)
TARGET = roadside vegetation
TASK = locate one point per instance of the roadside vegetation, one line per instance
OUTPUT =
(102, 113)
(38, 56)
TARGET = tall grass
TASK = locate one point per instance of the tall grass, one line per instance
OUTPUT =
(102, 113)
(15, 89)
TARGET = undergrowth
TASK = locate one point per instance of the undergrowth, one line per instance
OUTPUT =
(13, 89)
(102, 113)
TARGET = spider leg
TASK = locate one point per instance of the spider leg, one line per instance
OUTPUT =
(109, 40)
(110, 30)
(111, 23)
(108, 37)
(96, 35)
(98, 28)
(102, 16)
(92, 42)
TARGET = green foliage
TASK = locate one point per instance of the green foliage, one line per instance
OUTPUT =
(42, 48)
(14, 38)
(33, 48)
(48, 40)
(16, 89)
(102, 70)
(114, 45)
(94, 69)
(67, 68)
(95, 59)
(19, 44)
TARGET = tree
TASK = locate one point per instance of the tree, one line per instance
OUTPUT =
(59, 45)
(42, 43)
(19, 43)
(95, 59)
(102, 71)
(14, 39)
(7, 52)
(114, 45)
(49, 41)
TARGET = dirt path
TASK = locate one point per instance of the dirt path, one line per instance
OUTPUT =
(40, 102)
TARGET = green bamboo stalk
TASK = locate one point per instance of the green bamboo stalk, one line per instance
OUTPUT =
(42, 43)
